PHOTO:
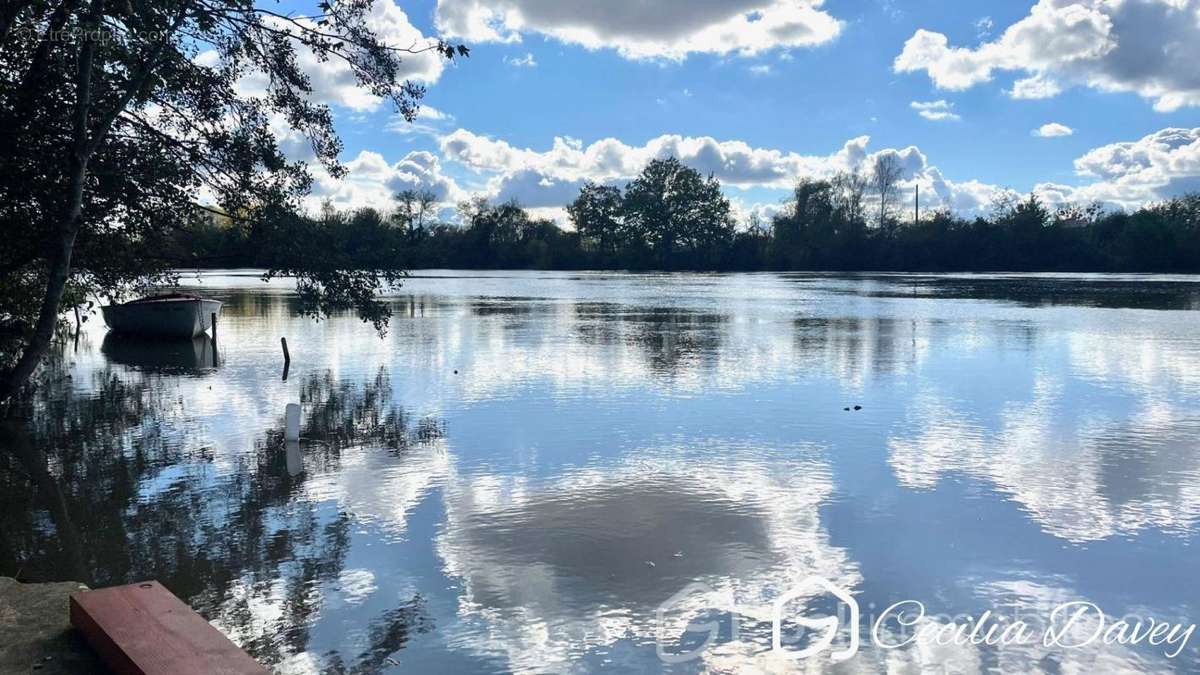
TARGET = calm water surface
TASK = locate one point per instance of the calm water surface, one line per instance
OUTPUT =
(528, 465)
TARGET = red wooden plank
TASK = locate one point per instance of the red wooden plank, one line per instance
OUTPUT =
(142, 629)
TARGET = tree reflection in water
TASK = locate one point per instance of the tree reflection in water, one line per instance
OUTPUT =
(342, 414)
(112, 486)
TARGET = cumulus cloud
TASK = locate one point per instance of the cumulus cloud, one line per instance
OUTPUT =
(1149, 47)
(1126, 174)
(668, 29)
(1053, 130)
(1036, 87)
(757, 214)
(553, 176)
(534, 189)
(938, 111)
(372, 181)
(1158, 166)
(735, 163)
(333, 81)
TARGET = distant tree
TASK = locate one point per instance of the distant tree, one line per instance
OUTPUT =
(813, 230)
(117, 117)
(755, 225)
(809, 231)
(681, 217)
(500, 236)
(813, 202)
(885, 182)
(1074, 215)
(850, 194)
(1030, 214)
(414, 208)
(597, 216)
(470, 209)
(1004, 203)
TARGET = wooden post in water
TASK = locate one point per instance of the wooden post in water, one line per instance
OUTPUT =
(287, 358)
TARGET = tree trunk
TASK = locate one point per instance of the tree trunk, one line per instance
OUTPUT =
(64, 237)
(60, 270)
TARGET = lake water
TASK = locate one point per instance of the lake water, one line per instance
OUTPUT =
(557, 472)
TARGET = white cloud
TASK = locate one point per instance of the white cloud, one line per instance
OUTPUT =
(668, 29)
(429, 112)
(733, 162)
(938, 111)
(761, 212)
(372, 181)
(526, 61)
(760, 69)
(1037, 87)
(1158, 166)
(1127, 174)
(333, 81)
(534, 189)
(1053, 130)
(1149, 47)
(550, 177)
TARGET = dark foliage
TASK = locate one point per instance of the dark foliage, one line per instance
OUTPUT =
(671, 218)
(119, 118)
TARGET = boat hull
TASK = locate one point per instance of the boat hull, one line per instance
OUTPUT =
(184, 318)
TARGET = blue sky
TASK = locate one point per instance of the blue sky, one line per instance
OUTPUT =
(761, 91)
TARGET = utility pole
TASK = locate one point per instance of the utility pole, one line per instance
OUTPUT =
(917, 210)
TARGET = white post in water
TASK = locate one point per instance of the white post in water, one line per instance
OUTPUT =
(295, 460)
(291, 431)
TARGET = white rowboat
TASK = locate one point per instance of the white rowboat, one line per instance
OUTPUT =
(173, 315)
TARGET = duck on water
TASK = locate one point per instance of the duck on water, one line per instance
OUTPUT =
(175, 315)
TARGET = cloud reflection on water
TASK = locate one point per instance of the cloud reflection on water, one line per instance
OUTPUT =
(501, 517)
(552, 570)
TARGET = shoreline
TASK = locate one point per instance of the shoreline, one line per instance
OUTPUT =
(36, 634)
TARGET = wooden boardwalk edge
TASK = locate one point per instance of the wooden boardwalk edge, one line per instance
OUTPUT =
(143, 629)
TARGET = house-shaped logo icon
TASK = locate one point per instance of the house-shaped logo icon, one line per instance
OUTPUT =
(827, 626)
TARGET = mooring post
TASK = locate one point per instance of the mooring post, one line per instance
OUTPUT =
(291, 422)
(287, 358)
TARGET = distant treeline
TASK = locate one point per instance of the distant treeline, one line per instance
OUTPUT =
(672, 218)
